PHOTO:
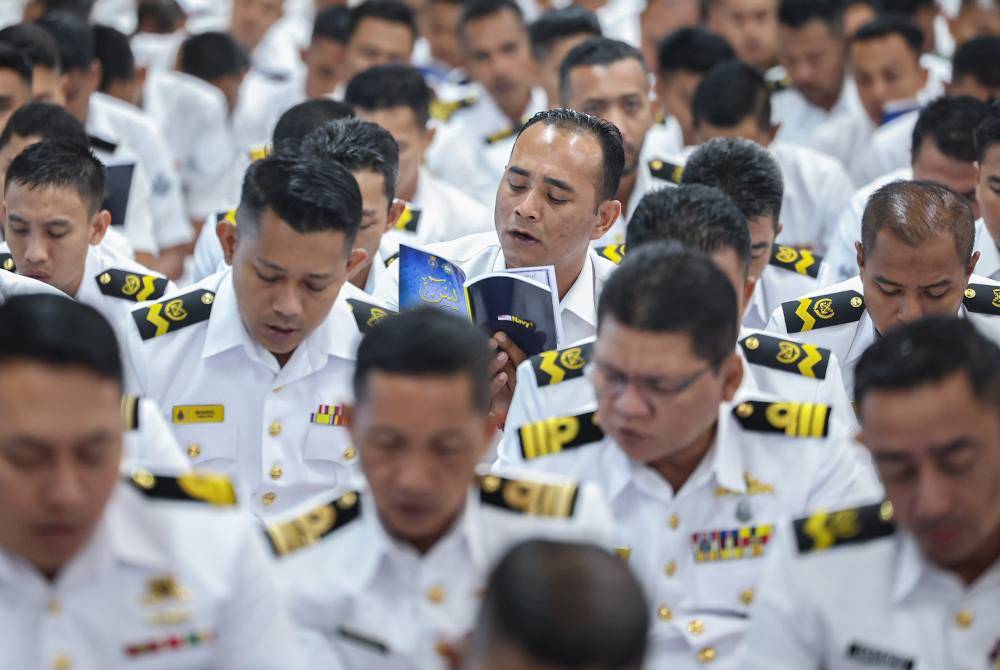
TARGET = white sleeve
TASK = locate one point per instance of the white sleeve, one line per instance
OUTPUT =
(171, 224)
(841, 255)
(138, 227)
(776, 324)
(842, 478)
(207, 251)
(211, 183)
(153, 446)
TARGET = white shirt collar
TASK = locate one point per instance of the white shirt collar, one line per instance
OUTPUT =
(989, 259)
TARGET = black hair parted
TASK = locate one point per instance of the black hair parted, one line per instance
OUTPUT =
(58, 331)
(211, 55)
(695, 215)
(45, 120)
(730, 93)
(11, 58)
(797, 13)
(60, 164)
(113, 50)
(389, 86)
(298, 121)
(666, 288)
(929, 351)
(308, 193)
(594, 51)
(357, 145)
(988, 131)
(426, 342)
(887, 25)
(480, 9)
(692, 49)
(557, 24)
(332, 23)
(980, 59)
(36, 43)
(951, 124)
(391, 11)
(741, 169)
(72, 38)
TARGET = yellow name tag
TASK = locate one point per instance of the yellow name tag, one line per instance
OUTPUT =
(185, 414)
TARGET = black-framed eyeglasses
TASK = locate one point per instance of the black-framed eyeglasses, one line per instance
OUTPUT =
(610, 382)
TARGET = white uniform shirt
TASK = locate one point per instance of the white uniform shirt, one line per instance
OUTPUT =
(697, 551)
(989, 252)
(277, 54)
(872, 601)
(262, 102)
(148, 443)
(137, 231)
(12, 284)
(552, 385)
(800, 119)
(118, 122)
(481, 254)
(194, 119)
(776, 285)
(395, 606)
(277, 431)
(471, 151)
(817, 189)
(162, 585)
(853, 330)
(889, 150)
(439, 212)
(842, 255)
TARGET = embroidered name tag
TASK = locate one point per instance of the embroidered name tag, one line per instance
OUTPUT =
(866, 655)
(188, 414)
(329, 415)
(193, 639)
(730, 545)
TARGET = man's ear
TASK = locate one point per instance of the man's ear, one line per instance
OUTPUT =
(861, 255)
(777, 231)
(732, 375)
(772, 133)
(972, 264)
(748, 288)
(607, 212)
(226, 232)
(99, 226)
(356, 261)
(395, 211)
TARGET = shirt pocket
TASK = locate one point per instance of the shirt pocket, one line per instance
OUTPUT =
(208, 446)
(329, 444)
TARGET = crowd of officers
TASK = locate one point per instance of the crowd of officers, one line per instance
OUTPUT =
(770, 437)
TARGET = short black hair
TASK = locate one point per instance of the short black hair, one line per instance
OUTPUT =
(698, 216)
(73, 39)
(58, 331)
(389, 86)
(609, 137)
(426, 342)
(741, 169)
(916, 211)
(906, 8)
(692, 49)
(891, 24)
(951, 123)
(480, 9)
(35, 42)
(81, 8)
(212, 55)
(164, 15)
(115, 54)
(568, 605)
(305, 117)
(309, 194)
(557, 24)
(797, 13)
(980, 59)
(45, 120)
(60, 164)
(357, 145)
(730, 93)
(392, 11)
(12, 59)
(332, 23)
(595, 51)
(666, 288)
(988, 131)
(926, 352)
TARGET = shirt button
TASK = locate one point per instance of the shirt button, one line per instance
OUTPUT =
(746, 597)
(350, 453)
(279, 389)
(194, 450)
(965, 618)
(696, 627)
(269, 498)
(664, 613)
(671, 568)
(707, 655)
(274, 430)
(55, 607)
(62, 662)
(276, 472)
(674, 521)
(435, 594)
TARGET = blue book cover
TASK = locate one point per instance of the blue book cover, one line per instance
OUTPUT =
(429, 280)
(517, 306)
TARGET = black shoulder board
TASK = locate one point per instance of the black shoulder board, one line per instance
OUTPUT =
(7, 262)
(192, 487)
(99, 144)
(558, 365)
(290, 536)
(823, 311)
(798, 358)
(823, 530)
(131, 286)
(794, 419)
(392, 259)
(796, 259)
(168, 316)
(528, 497)
(778, 85)
(367, 315)
(614, 253)
(983, 299)
(551, 436)
(130, 411)
(501, 135)
(666, 171)
(409, 220)
(443, 111)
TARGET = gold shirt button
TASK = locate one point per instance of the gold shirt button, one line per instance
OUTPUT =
(276, 472)
(707, 655)
(279, 389)
(269, 498)
(696, 627)
(965, 618)
(274, 430)
(671, 568)
(194, 450)
(746, 597)
(435, 594)
(674, 521)
(350, 453)
(62, 662)
(55, 607)
(664, 613)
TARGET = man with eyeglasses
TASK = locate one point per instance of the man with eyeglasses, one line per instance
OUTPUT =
(697, 473)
